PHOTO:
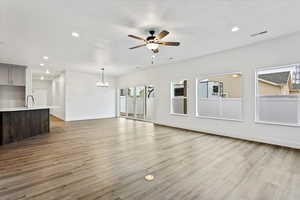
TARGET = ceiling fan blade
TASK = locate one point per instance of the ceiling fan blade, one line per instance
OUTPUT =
(169, 43)
(155, 50)
(161, 35)
(142, 45)
(136, 37)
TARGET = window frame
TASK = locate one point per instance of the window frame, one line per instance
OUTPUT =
(207, 76)
(171, 112)
(256, 120)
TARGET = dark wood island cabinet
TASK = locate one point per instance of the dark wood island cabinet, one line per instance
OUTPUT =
(20, 123)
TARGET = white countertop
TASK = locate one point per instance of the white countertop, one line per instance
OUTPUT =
(24, 108)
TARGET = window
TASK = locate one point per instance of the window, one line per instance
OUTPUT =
(179, 97)
(220, 96)
(277, 95)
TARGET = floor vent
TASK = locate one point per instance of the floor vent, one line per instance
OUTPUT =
(149, 177)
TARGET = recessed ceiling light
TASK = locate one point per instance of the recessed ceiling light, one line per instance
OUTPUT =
(42, 77)
(235, 29)
(235, 75)
(46, 57)
(153, 56)
(47, 71)
(42, 64)
(74, 34)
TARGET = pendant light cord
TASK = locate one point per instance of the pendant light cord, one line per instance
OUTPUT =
(102, 75)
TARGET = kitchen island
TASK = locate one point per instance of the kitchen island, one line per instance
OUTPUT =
(17, 124)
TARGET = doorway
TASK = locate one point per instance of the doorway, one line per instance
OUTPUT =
(40, 96)
(42, 92)
(137, 103)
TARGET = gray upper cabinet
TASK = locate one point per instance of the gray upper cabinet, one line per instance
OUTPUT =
(17, 76)
(12, 75)
(4, 75)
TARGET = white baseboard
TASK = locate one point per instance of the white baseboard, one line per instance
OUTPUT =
(90, 118)
(242, 137)
(58, 117)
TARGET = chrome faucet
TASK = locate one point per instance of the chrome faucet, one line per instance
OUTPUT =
(27, 100)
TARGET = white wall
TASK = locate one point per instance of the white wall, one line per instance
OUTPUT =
(280, 51)
(58, 96)
(228, 108)
(86, 101)
(45, 86)
(12, 96)
(28, 79)
(279, 109)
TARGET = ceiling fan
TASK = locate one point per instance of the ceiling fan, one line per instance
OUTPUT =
(152, 42)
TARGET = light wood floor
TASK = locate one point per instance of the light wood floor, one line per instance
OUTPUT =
(108, 159)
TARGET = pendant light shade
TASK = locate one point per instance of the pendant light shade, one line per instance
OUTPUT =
(101, 82)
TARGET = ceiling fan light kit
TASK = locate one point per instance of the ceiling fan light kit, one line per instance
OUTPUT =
(152, 46)
(101, 82)
(152, 42)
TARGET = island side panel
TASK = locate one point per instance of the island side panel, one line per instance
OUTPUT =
(1, 128)
(6, 129)
(45, 116)
(19, 125)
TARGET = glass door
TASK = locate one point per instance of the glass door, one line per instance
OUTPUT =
(137, 103)
(149, 108)
(140, 93)
(131, 102)
(123, 102)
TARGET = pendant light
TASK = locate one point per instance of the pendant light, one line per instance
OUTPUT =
(101, 82)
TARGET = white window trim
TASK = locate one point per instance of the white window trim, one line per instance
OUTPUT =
(219, 118)
(182, 115)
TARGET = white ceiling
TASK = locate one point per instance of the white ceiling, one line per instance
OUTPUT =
(35, 28)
